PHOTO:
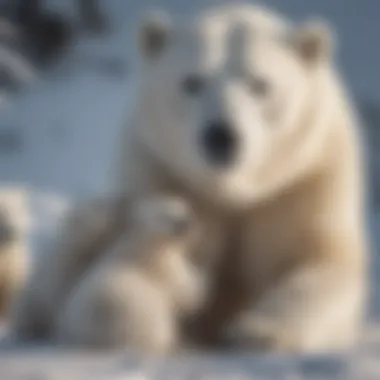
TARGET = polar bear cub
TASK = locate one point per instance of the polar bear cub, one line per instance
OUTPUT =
(137, 294)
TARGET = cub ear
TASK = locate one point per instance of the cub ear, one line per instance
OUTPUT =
(154, 33)
(314, 41)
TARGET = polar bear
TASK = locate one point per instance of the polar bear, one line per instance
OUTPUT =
(138, 293)
(244, 114)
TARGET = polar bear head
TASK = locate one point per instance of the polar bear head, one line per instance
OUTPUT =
(235, 103)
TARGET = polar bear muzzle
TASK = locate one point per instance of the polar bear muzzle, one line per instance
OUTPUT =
(219, 142)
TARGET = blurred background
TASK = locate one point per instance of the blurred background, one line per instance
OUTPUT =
(66, 79)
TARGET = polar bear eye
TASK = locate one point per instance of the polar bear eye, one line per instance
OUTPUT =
(193, 85)
(260, 87)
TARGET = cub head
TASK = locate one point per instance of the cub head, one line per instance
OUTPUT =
(233, 103)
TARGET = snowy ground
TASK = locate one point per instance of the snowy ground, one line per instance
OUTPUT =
(64, 128)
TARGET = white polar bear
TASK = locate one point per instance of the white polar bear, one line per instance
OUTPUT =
(244, 114)
(138, 293)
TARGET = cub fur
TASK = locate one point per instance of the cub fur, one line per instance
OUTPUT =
(138, 293)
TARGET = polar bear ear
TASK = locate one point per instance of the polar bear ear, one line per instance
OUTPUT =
(314, 41)
(154, 33)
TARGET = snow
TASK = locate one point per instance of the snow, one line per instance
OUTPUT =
(65, 126)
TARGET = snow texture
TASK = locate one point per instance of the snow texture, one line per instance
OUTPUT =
(57, 139)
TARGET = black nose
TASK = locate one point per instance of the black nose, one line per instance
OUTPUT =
(219, 142)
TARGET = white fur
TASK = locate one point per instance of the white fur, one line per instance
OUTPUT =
(137, 293)
(286, 216)
(297, 178)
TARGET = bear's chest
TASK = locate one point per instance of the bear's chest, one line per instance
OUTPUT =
(261, 247)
